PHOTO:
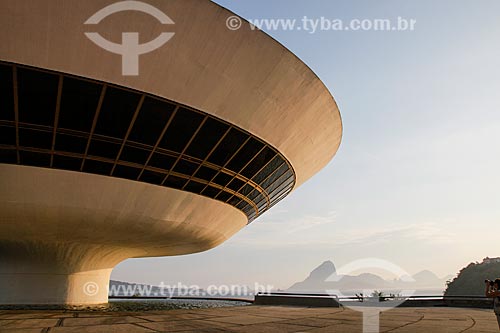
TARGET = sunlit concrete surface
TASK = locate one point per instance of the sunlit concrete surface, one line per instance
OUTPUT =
(251, 319)
(63, 229)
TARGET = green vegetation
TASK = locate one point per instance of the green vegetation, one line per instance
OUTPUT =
(470, 279)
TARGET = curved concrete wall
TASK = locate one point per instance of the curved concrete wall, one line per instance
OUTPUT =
(58, 229)
(61, 229)
(56, 205)
(244, 76)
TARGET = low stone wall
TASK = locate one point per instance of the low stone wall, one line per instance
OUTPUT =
(296, 300)
(329, 301)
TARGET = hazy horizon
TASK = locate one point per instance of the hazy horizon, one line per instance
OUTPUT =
(428, 279)
(415, 179)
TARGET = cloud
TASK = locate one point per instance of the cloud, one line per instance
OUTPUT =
(426, 232)
(309, 222)
(279, 230)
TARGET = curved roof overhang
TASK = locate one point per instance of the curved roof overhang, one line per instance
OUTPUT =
(244, 77)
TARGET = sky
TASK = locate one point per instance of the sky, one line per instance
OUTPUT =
(415, 181)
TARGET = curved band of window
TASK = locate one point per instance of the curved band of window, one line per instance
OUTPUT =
(56, 120)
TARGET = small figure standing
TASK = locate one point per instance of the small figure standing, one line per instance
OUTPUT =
(493, 290)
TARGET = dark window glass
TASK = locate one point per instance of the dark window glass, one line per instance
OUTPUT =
(233, 140)
(79, 102)
(211, 191)
(258, 163)
(208, 136)
(235, 184)
(126, 172)
(98, 167)
(162, 161)
(8, 156)
(234, 200)
(253, 194)
(222, 179)
(272, 166)
(37, 94)
(282, 194)
(104, 149)
(262, 207)
(250, 211)
(151, 120)
(260, 199)
(67, 163)
(224, 196)
(37, 101)
(70, 143)
(286, 178)
(135, 155)
(35, 159)
(6, 93)
(278, 187)
(117, 111)
(249, 151)
(194, 187)
(186, 167)
(181, 129)
(242, 204)
(205, 173)
(36, 139)
(175, 182)
(274, 176)
(277, 199)
(152, 177)
(7, 135)
(246, 190)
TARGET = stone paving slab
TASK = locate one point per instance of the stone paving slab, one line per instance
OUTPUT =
(27, 323)
(23, 330)
(105, 320)
(117, 328)
(255, 319)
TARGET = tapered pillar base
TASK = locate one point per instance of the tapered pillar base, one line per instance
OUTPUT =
(61, 232)
(35, 273)
(83, 288)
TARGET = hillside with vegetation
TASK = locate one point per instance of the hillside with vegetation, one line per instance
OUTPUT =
(470, 279)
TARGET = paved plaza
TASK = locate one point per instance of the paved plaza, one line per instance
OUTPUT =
(249, 319)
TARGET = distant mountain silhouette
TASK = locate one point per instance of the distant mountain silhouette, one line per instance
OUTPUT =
(427, 279)
(322, 272)
(470, 279)
(324, 278)
(426, 276)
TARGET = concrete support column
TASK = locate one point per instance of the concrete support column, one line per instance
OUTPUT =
(37, 273)
(62, 232)
(48, 288)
